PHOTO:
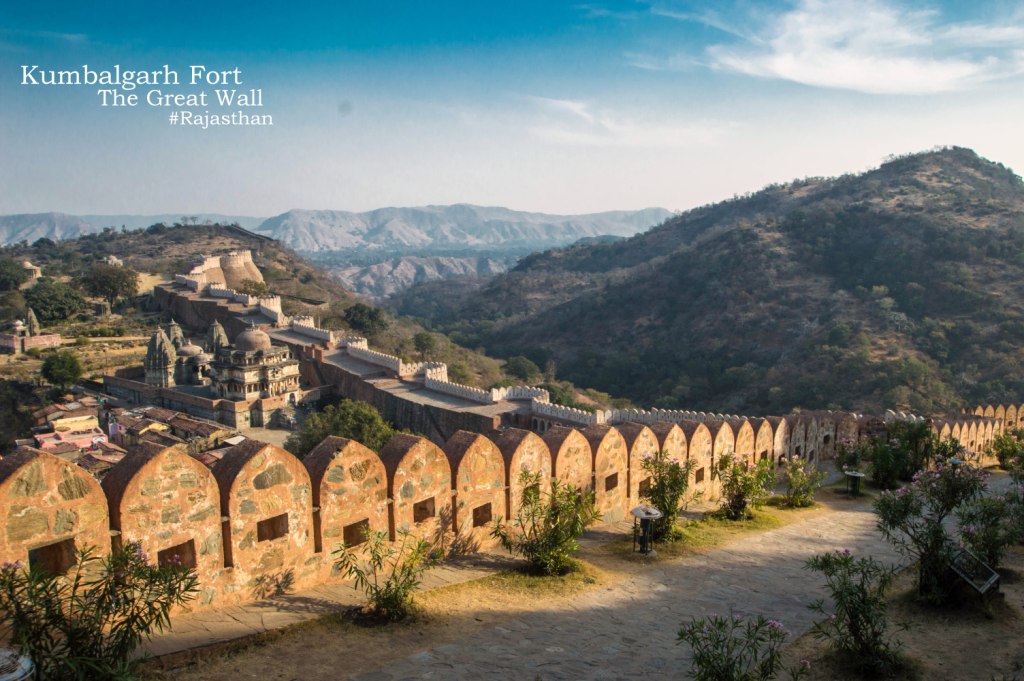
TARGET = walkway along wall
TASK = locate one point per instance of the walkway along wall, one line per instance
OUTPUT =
(261, 521)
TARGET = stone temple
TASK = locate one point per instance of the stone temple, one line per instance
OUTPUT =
(241, 384)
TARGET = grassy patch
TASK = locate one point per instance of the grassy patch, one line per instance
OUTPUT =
(712, 531)
(518, 585)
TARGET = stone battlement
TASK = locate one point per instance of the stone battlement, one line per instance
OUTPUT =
(260, 519)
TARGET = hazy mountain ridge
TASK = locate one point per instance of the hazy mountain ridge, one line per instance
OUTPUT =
(896, 288)
(57, 226)
(412, 230)
(441, 227)
(387, 278)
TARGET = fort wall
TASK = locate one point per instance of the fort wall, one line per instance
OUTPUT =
(262, 522)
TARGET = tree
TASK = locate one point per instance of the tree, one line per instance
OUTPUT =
(252, 287)
(62, 368)
(111, 282)
(366, 319)
(425, 343)
(522, 368)
(350, 419)
(12, 274)
(53, 301)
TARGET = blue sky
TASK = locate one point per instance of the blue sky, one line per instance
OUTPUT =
(559, 107)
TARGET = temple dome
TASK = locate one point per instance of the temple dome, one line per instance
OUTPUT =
(252, 340)
(189, 350)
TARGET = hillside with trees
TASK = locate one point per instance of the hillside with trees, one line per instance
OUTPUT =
(895, 288)
(75, 268)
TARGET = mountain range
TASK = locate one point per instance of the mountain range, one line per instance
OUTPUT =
(895, 288)
(391, 231)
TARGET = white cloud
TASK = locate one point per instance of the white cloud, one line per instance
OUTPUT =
(872, 46)
(576, 123)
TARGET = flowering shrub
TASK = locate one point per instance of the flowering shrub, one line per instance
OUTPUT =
(850, 455)
(911, 519)
(734, 648)
(858, 627)
(988, 527)
(802, 480)
(743, 486)
(391, 571)
(669, 481)
(88, 623)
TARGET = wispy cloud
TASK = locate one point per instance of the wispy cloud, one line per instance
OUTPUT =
(871, 46)
(576, 123)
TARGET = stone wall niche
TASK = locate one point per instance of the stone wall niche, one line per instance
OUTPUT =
(169, 503)
(478, 478)
(611, 471)
(49, 508)
(350, 488)
(522, 450)
(571, 460)
(266, 495)
(420, 487)
(641, 443)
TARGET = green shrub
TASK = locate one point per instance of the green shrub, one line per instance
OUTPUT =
(547, 524)
(390, 573)
(89, 623)
(669, 480)
(1008, 447)
(734, 648)
(744, 486)
(858, 627)
(802, 481)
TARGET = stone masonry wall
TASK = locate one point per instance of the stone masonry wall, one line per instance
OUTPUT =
(261, 521)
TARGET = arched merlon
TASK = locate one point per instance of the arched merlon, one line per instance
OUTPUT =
(419, 485)
(266, 496)
(641, 442)
(350, 488)
(478, 478)
(522, 450)
(611, 466)
(170, 503)
(571, 459)
(48, 509)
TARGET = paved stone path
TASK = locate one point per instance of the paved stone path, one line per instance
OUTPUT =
(628, 631)
(210, 628)
(624, 631)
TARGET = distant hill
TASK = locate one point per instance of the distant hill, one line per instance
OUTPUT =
(895, 288)
(384, 279)
(420, 230)
(305, 289)
(32, 226)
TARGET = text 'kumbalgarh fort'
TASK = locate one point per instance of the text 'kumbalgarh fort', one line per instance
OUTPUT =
(247, 514)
